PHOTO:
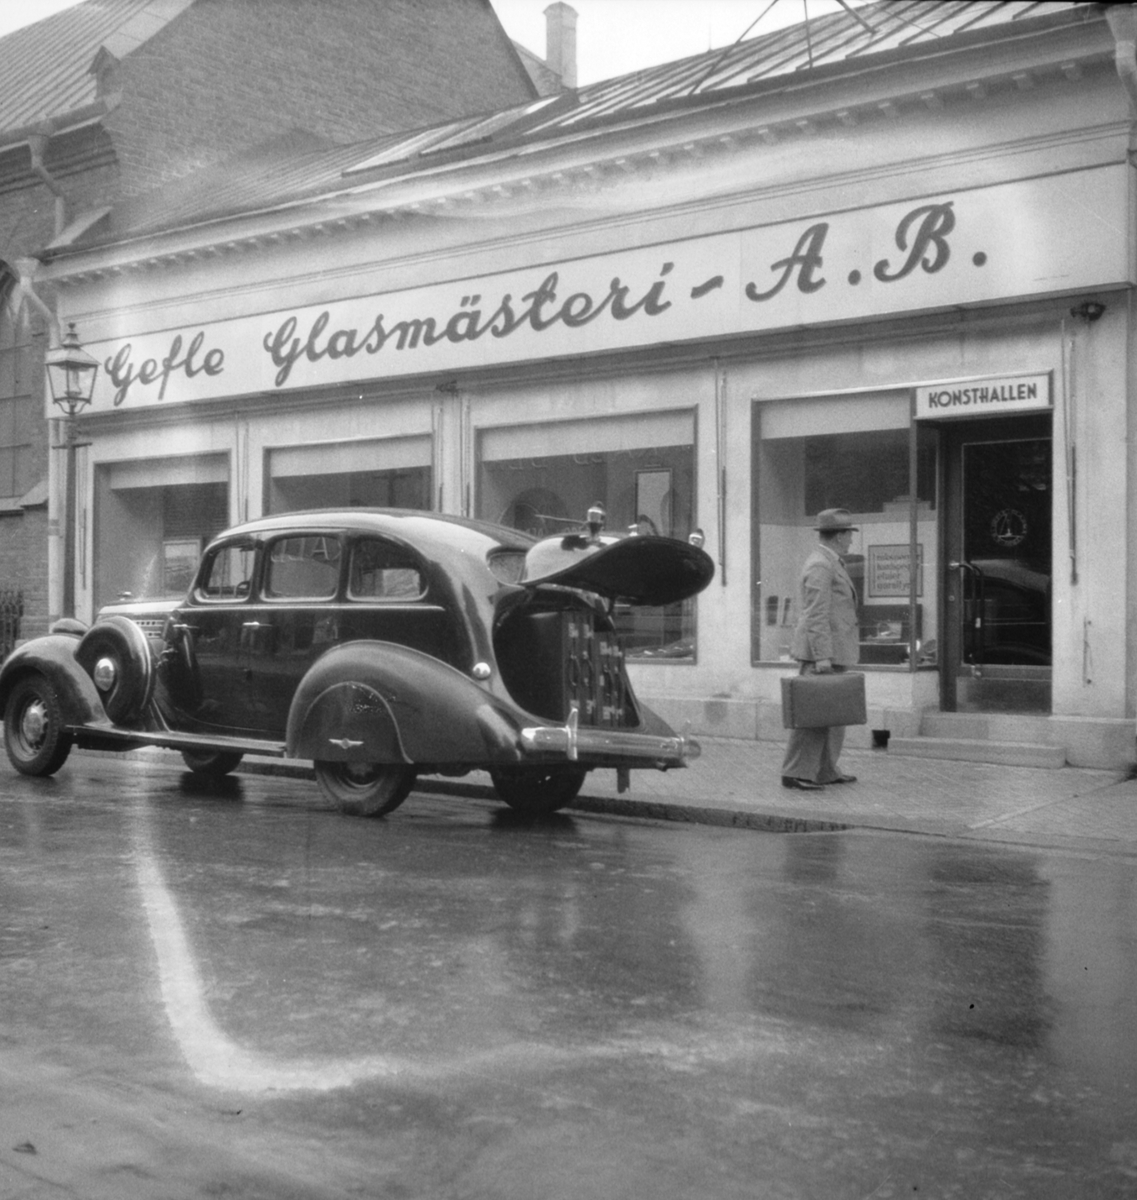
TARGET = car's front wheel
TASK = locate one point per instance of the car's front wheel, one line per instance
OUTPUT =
(365, 789)
(537, 791)
(213, 764)
(34, 736)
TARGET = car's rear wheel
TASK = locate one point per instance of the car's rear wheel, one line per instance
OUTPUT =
(34, 735)
(537, 791)
(365, 789)
(212, 763)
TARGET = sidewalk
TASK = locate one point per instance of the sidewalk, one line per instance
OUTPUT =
(738, 783)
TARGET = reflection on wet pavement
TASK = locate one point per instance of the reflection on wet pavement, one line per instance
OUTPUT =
(628, 1008)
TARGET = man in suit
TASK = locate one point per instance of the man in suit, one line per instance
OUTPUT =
(826, 638)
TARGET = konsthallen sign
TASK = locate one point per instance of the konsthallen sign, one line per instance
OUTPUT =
(995, 396)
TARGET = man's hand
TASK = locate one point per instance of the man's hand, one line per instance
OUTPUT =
(823, 666)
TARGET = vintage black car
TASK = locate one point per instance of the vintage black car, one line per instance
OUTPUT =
(379, 644)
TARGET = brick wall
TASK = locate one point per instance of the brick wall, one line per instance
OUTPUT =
(224, 76)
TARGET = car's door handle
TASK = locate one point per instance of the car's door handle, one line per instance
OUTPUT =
(253, 624)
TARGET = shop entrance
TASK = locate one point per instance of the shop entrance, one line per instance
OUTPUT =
(998, 489)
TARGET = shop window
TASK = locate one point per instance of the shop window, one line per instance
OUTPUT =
(16, 412)
(153, 518)
(179, 562)
(374, 473)
(543, 479)
(844, 452)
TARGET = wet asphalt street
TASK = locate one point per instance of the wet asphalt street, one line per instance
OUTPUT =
(238, 992)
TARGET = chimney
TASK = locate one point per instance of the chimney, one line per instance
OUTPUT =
(560, 41)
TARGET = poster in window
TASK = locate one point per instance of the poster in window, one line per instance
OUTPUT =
(889, 571)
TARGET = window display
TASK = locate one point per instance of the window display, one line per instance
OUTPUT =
(152, 519)
(849, 452)
(640, 469)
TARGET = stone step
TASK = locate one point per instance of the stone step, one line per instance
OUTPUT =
(999, 727)
(981, 750)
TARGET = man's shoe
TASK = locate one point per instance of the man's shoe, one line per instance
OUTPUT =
(802, 785)
(844, 779)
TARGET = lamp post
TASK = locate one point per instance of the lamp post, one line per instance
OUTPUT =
(71, 375)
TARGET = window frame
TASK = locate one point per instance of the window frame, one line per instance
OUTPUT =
(415, 563)
(205, 571)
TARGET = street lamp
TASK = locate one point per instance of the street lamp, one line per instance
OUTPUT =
(71, 375)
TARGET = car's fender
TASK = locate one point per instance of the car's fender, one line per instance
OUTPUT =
(382, 702)
(53, 656)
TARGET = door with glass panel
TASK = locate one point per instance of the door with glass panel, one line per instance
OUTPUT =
(997, 566)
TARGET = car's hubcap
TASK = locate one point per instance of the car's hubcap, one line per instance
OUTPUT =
(105, 674)
(360, 774)
(33, 725)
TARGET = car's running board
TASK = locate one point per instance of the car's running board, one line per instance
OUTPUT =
(91, 738)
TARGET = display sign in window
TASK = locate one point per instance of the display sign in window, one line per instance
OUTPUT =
(890, 571)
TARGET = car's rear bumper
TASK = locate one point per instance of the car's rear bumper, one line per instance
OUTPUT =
(607, 746)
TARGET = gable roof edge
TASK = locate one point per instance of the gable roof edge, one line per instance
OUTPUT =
(142, 27)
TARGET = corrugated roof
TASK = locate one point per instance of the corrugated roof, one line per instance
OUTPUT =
(832, 39)
(45, 67)
(297, 169)
(836, 38)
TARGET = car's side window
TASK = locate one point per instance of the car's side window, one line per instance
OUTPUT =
(228, 573)
(303, 568)
(383, 571)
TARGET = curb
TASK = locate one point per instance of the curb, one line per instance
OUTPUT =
(649, 810)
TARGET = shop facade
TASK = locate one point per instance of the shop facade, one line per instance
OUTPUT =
(721, 322)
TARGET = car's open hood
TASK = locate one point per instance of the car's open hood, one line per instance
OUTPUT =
(638, 570)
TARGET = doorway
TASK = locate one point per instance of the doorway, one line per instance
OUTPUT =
(997, 636)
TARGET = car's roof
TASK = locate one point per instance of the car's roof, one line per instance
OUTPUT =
(411, 525)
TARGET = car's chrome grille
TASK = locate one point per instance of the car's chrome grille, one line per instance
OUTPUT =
(153, 628)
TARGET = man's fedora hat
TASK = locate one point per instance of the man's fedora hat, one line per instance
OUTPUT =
(835, 520)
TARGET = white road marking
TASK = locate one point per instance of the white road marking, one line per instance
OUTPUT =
(218, 1061)
(215, 1059)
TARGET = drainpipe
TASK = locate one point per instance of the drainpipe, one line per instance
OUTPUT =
(26, 271)
(1123, 25)
(25, 284)
(37, 144)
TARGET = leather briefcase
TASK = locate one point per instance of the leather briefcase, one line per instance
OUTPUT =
(810, 701)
